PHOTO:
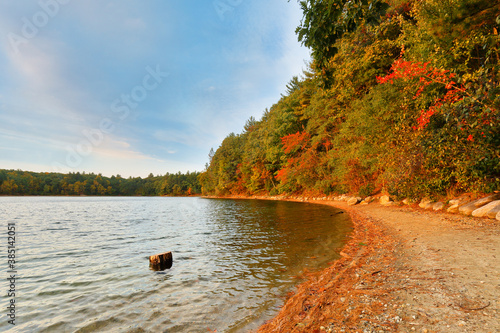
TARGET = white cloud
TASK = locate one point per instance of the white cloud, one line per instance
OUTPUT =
(65, 79)
(121, 154)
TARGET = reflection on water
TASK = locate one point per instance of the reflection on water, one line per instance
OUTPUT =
(84, 261)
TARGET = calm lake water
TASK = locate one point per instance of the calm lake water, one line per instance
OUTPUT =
(83, 261)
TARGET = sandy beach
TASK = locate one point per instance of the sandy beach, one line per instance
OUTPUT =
(404, 270)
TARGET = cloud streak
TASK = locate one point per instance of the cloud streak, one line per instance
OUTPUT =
(89, 63)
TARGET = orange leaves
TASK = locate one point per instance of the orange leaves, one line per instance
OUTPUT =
(408, 70)
(299, 168)
(282, 175)
(327, 144)
(294, 142)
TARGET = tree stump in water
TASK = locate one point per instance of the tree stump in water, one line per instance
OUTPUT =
(160, 262)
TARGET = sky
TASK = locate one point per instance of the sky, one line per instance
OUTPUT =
(135, 87)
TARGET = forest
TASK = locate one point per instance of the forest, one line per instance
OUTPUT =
(17, 182)
(400, 97)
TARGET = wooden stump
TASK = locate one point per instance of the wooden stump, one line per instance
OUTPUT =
(160, 262)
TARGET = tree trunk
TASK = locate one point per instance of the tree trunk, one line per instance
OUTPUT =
(160, 262)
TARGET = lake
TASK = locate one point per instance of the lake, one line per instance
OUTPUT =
(82, 262)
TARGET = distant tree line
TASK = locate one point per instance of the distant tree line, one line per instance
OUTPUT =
(17, 182)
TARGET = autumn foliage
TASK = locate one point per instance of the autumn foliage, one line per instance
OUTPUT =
(425, 76)
(16, 182)
(295, 142)
(407, 103)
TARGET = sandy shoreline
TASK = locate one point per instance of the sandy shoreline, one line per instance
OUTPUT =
(404, 270)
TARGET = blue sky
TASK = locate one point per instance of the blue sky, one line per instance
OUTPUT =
(135, 87)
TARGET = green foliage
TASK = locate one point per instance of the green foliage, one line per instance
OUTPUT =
(325, 22)
(16, 182)
(411, 106)
(220, 177)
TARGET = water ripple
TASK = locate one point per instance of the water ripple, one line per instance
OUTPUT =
(86, 260)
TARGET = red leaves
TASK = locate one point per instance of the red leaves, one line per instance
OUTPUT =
(408, 71)
(424, 119)
(405, 70)
(449, 85)
(327, 144)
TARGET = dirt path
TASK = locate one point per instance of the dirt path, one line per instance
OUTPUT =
(453, 268)
(405, 270)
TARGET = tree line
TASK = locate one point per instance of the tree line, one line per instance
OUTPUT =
(401, 96)
(17, 182)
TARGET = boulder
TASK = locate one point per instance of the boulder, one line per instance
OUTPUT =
(426, 203)
(353, 201)
(490, 210)
(385, 200)
(438, 206)
(498, 216)
(467, 209)
(407, 201)
(367, 200)
(456, 203)
(453, 208)
(342, 197)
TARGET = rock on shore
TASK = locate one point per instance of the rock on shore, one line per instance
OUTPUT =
(490, 210)
(468, 208)
(486, 207)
